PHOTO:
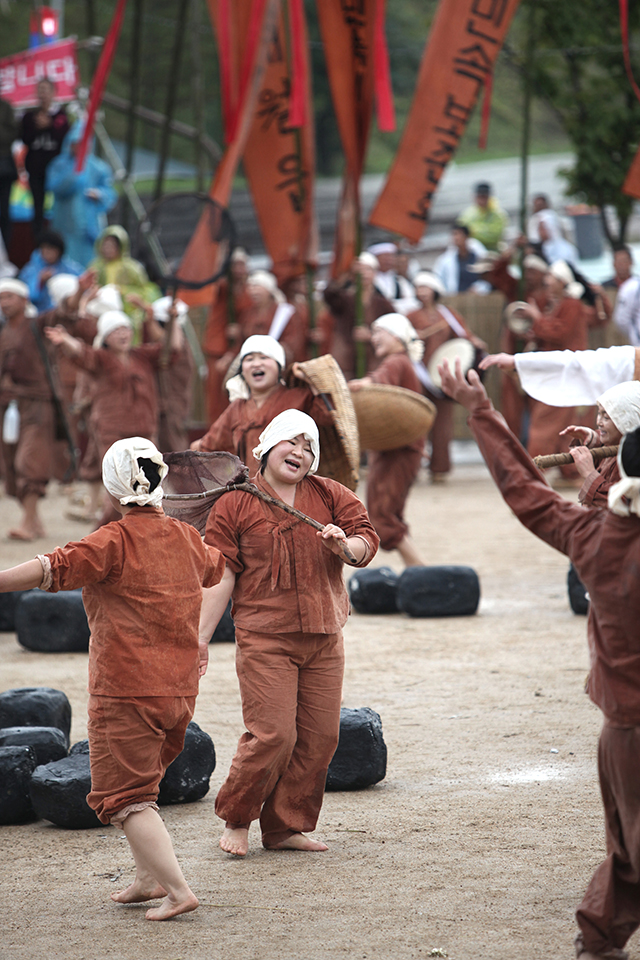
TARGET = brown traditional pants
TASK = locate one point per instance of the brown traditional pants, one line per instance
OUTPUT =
(391, 475)
(610, 910)
(291, 688)
(441, 434)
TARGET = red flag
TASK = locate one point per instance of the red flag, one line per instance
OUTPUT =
(463, 45)
(100, 81)
(384, 93)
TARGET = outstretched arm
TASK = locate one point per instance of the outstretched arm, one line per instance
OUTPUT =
(25, 576)
(505, 361)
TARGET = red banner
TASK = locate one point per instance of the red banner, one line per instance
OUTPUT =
(20, 73)
(348, 30)
(463, 45)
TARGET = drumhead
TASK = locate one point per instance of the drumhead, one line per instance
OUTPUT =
(518, 317)
(451, 351)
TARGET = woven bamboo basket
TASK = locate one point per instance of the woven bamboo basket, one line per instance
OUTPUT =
(339, 446)
(390, 417)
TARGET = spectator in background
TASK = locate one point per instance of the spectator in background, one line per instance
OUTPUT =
(623, 268)
(81, 200)
(48, 260)
(485, 219)
(393, 287)
(452, 266)
(115, 267)
(626, 314)
(9, 131)
(43, 130)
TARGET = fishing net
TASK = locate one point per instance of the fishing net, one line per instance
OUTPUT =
(195, 480)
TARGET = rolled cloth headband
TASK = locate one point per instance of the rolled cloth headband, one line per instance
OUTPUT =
(61, 286)
(262, 278)
(624, 496)
(287, 426)
(622, 403)
(398, 326)
(258, 343)
(9, 285)
(162, 305)
(107, 323)
(123, 477)
(427, 279)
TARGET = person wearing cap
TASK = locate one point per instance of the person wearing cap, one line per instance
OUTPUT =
(289, 607)
(392, 473)
(142, 580)
(46, 261)
(258, 394)
(124, 380)
(436, 324)
(222, 330)
(485, 218)
(604, 547)
(341, 296)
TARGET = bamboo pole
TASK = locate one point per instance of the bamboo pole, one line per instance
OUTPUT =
(172, 94)
(560, 459)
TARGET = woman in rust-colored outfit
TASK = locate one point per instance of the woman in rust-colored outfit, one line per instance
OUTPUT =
(289, 606)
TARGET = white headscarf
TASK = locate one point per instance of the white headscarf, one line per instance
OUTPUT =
(122, 476)
(107, 298)
(161, 308)
(368, 260)
(262, 278)
(10, 285)
(398, 326)
(561, 270)
(287, 426)
(258, 343)
(622, 403)
(427, 279)
(624, 496)
(61, 286)
(107, 323)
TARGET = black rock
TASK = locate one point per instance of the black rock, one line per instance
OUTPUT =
(577, 593)
(35, 707)
(187, 778)
(374, 590)
(225, 632)
(52, 622)
(438, 591)
(47, 743)
(58, 793)
(81, 746)
(8, 604)
(16, 766)
(361, 757)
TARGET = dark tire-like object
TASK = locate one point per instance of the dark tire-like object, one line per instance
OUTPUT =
(577, 593)
(374, 590)
(225, 632)
(36, 707)
(47, 743)
(361, 757)
(8, 605)
(80, 746)
(59, 790)
(187, 778)
(438, 591)
(17, 764)
(52, 622)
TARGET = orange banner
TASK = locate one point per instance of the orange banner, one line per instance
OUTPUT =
(463, 45)
(279, 159)
(348, 33)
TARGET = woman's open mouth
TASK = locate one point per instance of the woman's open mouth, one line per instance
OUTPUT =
(293, 464)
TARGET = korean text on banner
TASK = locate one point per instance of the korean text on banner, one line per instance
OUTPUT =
(20, 73)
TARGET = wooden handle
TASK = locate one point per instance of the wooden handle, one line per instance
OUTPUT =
(559, 459)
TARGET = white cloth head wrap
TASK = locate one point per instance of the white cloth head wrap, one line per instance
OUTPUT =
(622, 403)
(533, 262)
(10, 285)
(161, 308)
(427, 279)
(262, 278)
(107, 323)
(402, 329)
(123, 477)
(624, 496)
(258, 343)
(368, 260)
(287, 426)
(107, 298)
(382, 247)
(61, 286)
(561, 270)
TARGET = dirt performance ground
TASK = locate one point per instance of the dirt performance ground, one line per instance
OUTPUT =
(478, 844)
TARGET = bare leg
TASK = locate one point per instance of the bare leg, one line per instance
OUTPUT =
(408, 552)
(235, 840)
(298, 841)
(157, 870)
(30, 526)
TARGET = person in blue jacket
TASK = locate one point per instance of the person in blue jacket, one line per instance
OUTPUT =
(46, 261)
(81, 200)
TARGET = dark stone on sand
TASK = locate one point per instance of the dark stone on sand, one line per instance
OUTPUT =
(35, 707)
(577, 593)
(187, 778)
(8, 605)
(225, 632)
(438, 591)
(58, 793)
(17, 763)
(81, 746)
(52, 622)
(47, 743)
(361, 757)
(374, 590)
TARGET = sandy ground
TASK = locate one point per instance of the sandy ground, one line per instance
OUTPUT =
(478, 844)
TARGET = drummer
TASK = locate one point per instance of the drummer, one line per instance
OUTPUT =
(437, 324)
(392, 473)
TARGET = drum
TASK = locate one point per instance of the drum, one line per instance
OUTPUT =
(518, 317)
(452, 350)
(390, 417)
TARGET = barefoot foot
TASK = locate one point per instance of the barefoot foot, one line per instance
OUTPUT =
(235, 840)
(172, 908)
(21, 533)
(137, 892)
(298, 841)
